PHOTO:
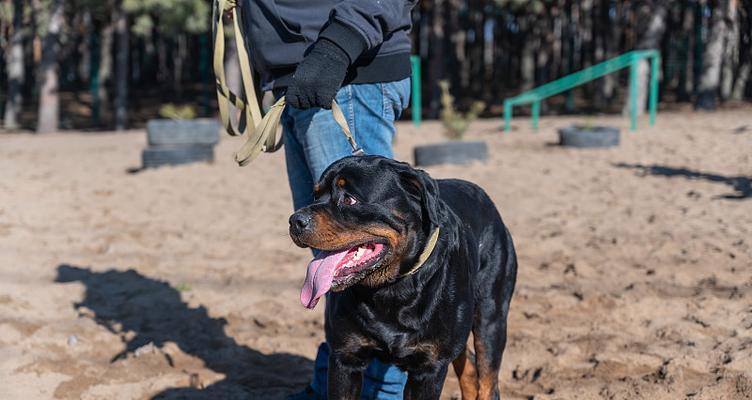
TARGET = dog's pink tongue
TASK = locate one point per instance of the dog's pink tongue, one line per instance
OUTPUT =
(319, 277)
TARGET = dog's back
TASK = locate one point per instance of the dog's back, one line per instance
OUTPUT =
(493, 283)
(478, 213)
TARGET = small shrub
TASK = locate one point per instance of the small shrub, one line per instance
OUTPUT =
(173, 111)
(456, 123)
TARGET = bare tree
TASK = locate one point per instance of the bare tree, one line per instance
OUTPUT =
(529, 48)
(745, 58)
(15, 68)
(710, 80)
(606, 38)
(120, 19)
(687, 77)
(84, 66)
(731, 50)
(179, 57)
(49, 101)
(649, 39)
(437, 43)
(105, 66)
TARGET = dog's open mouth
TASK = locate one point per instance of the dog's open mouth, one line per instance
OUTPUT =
(337, 270)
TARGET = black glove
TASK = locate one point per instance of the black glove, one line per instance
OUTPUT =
(318, 77)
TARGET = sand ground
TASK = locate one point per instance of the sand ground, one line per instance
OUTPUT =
(635, 278)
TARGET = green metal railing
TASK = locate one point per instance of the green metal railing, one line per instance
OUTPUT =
(631, 60)
(416, 104)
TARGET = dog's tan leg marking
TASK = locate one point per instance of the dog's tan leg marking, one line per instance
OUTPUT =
(488, 377)
(464, 367)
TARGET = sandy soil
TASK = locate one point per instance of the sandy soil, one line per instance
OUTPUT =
(635, 277)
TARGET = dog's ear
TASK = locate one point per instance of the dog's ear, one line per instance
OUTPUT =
(420, 185)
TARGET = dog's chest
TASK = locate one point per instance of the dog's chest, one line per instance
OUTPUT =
(412, 344)
(409, 353)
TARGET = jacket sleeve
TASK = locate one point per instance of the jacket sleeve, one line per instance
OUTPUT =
(361, 25)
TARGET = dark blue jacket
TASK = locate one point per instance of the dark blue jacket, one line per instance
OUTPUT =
(373, 33)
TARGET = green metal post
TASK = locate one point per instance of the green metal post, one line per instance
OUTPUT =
(416, 95)
(655, 63)
(633, 94)
(507, 115)
(565, 85)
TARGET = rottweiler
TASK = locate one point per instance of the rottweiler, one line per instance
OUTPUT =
(413, 265)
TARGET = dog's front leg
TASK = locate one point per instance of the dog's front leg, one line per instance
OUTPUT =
(345, 376)
(425, 385)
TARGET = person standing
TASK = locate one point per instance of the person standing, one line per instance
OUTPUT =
(313, 52)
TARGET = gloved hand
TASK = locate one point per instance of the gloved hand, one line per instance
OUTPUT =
(318, 77)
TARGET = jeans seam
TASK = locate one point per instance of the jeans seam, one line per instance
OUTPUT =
(351, 109)
(384, 101)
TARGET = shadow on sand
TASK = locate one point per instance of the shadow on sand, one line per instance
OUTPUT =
(126, 301)
(742, 185)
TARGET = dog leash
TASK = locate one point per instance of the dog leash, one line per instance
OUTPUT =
(261, 132)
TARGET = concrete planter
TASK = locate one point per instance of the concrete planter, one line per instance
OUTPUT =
(175, 142)
(455, 152)
(589, 137)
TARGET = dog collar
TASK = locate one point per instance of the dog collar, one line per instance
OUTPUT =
(425, 254)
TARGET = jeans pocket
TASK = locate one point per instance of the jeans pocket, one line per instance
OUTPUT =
(396, 97)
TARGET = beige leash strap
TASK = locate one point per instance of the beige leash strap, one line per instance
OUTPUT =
(261, 132)
(265, 134)
(250, 111)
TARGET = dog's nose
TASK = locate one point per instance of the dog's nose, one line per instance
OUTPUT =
(299, 222)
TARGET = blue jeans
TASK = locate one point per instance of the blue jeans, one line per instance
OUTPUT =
(313, 141)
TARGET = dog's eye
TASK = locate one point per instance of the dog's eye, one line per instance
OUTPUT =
(348, 200)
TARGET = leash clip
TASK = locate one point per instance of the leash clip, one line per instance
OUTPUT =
(358, 152)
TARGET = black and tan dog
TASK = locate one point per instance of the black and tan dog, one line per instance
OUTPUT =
(414, 265)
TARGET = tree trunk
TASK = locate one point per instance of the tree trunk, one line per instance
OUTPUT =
(731, 51)
(105, 67)
(149, 53)
(162, 72)
(15, 68)
(576, 55)
(489, 61)
(745, 69)
(49, 101)
(455, 47)
(651, 39)
(611, 34)
(685, 84)
(436, 72)
(741, 82)
(530, 47)
(710, 80)
(177, 75)
(120, 19)
(84, 66)
(557, 14)
(527, 62)
(478, 72)
(586, 43)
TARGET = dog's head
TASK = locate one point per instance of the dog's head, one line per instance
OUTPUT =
(369, 222)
